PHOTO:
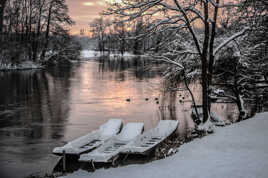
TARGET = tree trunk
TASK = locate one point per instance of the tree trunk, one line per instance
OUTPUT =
(205, 89)
(211, 48)
(240, 106)
(191, 93)
(205, 67)
(47, 31)
(37, 40)
(2, 10)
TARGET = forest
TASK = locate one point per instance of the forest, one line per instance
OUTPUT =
(35, 33)
(224, 44)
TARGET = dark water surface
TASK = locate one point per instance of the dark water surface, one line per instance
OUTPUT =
(40, 110)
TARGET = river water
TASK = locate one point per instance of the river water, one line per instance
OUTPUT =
(42, 109)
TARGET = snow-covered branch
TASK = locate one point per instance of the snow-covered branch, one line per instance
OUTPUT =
(166, 59)
(227, 41)
(195, 38)
(224, 5)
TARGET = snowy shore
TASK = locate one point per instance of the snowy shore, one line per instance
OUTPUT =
(238, 150)
(85, 54)
(27, 65)
(93, 54)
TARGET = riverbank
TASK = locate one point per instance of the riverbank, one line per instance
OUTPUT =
(27, 65)
(238, 150)
(86, 54)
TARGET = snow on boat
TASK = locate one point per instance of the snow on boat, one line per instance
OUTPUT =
(110, 150)
(150, 139)
(91, 140)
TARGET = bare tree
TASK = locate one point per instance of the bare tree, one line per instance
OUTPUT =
(183, 15)
(99, 29)
(2, 9)
(29, 26)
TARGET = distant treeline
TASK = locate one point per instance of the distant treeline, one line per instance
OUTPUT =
(35, 30)
(116, 36)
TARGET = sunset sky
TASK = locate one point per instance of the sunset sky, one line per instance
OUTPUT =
(82, 11)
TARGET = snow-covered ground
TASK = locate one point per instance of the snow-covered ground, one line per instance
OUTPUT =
(239, 150)
(92, 54)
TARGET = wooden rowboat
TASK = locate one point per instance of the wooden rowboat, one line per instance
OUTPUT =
(110, 150)
(150, 139)
(92, 140)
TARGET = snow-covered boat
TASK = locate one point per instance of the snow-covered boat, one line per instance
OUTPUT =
(110, 150)
(92, 140)
(150, 139)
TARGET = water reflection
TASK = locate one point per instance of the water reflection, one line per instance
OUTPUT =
(40, 110)
(177, 105)
(140, 68)
(100, 89)
(33, 109)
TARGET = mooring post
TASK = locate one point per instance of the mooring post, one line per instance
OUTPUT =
(64, 161)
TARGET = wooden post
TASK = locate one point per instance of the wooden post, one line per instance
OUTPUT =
(64, 161)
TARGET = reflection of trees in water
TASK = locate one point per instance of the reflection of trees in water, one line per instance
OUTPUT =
(172, 109)
(176, 105)
(168, 106)
(35, 100)
(141, 68)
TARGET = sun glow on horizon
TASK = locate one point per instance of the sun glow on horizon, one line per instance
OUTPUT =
(88, 4)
